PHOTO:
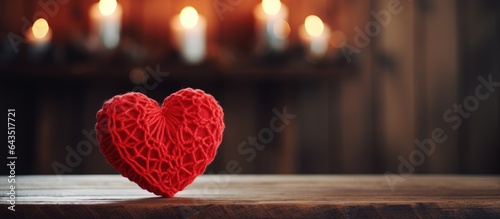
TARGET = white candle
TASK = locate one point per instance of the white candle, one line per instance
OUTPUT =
(189, 34)
(39, 36)
(271, 25)
(106, 23)
(315, 35)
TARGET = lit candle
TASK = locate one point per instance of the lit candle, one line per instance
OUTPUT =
(189, 31)
(106, 21)
(315, 35)
(271, 25)
(39, 36)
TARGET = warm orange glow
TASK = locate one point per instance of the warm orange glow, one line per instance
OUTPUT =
(189, 17)
(107, 7)
(281, 29)
(337, 38)
(314, 26)
(271, 7)
(40, 28)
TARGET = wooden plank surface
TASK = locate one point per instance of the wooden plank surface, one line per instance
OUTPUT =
(257, 196)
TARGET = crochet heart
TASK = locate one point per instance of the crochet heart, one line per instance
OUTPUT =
(162, 149)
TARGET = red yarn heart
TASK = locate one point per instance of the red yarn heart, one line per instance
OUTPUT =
(161, 149)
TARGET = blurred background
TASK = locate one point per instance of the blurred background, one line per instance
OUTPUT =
(390, 72)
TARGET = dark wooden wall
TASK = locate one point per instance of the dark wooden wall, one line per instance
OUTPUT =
(359, 119)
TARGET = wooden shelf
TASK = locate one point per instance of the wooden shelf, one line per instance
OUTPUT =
(258, 196)
(116, 67)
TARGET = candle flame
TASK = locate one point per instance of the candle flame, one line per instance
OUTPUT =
(107, 7)
(281, 29)
(271, 7)
(314, 26)
(189, 17)
(40, 28)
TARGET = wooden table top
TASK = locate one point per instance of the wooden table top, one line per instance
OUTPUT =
(257, 196)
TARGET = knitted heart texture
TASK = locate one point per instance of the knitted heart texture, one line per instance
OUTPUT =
(162, 149)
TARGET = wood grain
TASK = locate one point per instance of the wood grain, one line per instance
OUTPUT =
(258, 196)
